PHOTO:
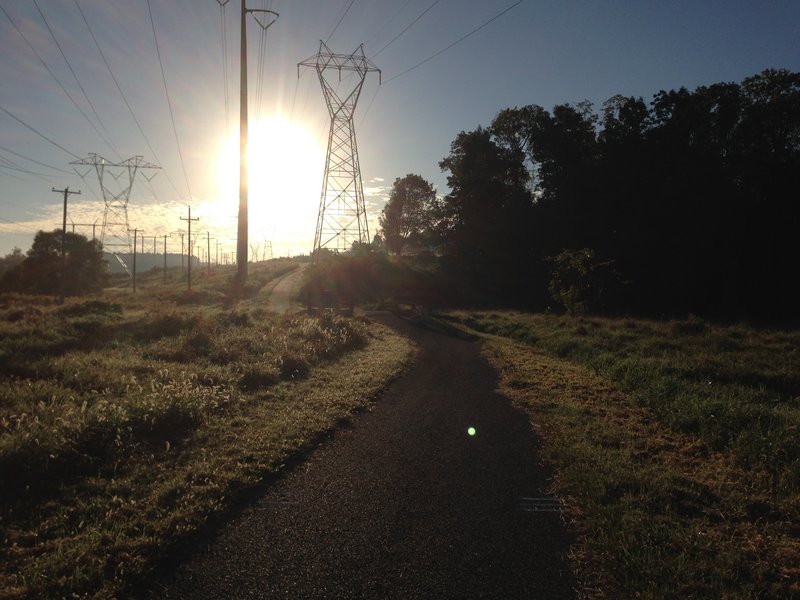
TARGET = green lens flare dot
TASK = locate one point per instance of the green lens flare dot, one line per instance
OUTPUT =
(471, 431)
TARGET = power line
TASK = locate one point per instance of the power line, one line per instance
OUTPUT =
(17, 177)
(33, 160)
(409, 26)
(37, 132)
(53, 75)
(13, 166)
(386, 22)
(169, 102)
(106, 139)
(224, 40)
(261, 63)
(125, 100)
(458, 41)
(364, 114)
(294, 98)
(43, 176)
(339, 22)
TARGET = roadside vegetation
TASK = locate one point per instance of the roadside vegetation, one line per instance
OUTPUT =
(675, 443)
(127, 421)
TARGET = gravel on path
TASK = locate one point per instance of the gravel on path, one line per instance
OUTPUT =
(403, 503)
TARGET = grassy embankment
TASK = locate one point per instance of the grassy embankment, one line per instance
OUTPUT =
(676, 445)
(127, 421)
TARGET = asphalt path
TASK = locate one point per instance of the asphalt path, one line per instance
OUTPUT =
(282, 295)
(403, 503)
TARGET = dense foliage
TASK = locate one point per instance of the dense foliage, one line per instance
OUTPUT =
(690, 198)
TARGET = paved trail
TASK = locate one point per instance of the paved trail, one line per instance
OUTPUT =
(282, 294)
(402, 504)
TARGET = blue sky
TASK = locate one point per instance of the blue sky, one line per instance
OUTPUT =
(539, 52)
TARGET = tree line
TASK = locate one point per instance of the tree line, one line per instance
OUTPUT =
(687, 204)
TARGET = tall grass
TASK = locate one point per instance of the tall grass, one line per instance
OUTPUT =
(736, 387)
(110, 406)
(675, 448)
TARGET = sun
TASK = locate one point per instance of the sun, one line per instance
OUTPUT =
(285, 170)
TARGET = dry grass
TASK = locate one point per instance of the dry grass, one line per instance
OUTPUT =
(127, 423)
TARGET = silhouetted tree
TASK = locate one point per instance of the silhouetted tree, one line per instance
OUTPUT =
(408, 217)
(483, 220)
(40, 272)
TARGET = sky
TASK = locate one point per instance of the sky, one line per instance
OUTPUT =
(127, 78)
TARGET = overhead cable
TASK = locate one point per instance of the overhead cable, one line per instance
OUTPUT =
(125, 101)
(458, 41)
(33, 160)
(37, 132)
(409, 26)
(380, 29)
(107, 138)
(224, 41)
(169, 102)
(53, 75)
(339, 22)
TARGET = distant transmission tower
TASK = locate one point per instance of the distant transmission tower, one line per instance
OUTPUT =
(342, 217)
(115, 233)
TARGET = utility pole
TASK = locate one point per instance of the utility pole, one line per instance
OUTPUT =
(165, 258)
(241, 244)
(66, 193)
(181, 234)
(208, 253)
(135, 232)
(190, 219)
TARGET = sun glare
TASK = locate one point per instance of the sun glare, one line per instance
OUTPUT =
(285, 168)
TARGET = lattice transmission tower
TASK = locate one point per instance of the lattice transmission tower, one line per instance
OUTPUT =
(342, 217)
(115, 232)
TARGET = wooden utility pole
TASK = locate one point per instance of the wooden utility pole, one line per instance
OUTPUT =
(190, 219)
(66, 193)
(208, 253)
(181, 234)
(241, 243)
(241, 247)
(135, 232)
(165, 258)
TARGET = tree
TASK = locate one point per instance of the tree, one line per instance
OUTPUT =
(578, 280)
(484, 220)
(40, 272)
(11, 260)
(407, 218)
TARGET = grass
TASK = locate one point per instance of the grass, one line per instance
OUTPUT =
(128, 421)
(676, 447)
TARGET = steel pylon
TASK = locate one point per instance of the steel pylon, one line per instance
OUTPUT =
(115, 233)
(342, 217)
